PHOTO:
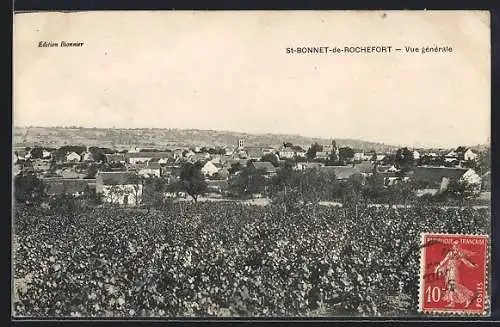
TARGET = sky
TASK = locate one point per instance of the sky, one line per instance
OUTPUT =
(230, 71)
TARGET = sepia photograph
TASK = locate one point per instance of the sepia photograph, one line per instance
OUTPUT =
(251, 164)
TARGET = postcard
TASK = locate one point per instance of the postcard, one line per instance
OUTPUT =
(209, 164)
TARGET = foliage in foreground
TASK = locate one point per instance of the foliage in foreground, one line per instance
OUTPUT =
(225, 260)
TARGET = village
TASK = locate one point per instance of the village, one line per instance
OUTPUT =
(114, 175)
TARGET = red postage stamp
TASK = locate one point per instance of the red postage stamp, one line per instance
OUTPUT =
(453, 274)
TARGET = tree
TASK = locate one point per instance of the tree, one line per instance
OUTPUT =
(374, 188)
(153, 192)
(137, 183)
(484, 162)
(98, 154)
(284, 190)
(249, 181)
(36, 153)
(461, 190)
(287, 144)
(235, 167)
(192, 181)
(404, 159)
(346, 154)
(115, 193)
(352, 193)
(28, 188)
(272, 158)
(315, 186)
(460, 152)
(91, 172)
(334, 158)
(315, 148)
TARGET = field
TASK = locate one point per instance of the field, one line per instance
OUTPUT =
(226, 259)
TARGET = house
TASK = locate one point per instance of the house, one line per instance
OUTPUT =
(435, 175)
(416, 155)
(231, 163)
(267, 167)
(143, 157)
(286, 152)
(217, 159)
(309, 165)
(393, 169)
(224, 159)
(301, 153)
(177, 153)
(73, 157)
(254, 153)
(242, 154)
(223, 173)
(268, 150)
(380, 157)
(209, 169)
(392, 177)
(171, 170)
(196, 157)
(469, 155)
(151, 169)
(87, 156)
(436, 178)
(116, 158)
(383, 168)
(163, 161)
(119, 187)
(322, 155)
(21, 154)
(46, 154)
(451, 155)
(341, 172)
(359, 156)
(74, 187)
(328, 148)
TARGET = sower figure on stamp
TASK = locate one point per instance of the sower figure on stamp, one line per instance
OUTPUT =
(456, 292)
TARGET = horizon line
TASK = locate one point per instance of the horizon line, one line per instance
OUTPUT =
(383, 143)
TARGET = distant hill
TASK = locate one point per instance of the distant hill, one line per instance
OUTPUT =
(169, 138)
